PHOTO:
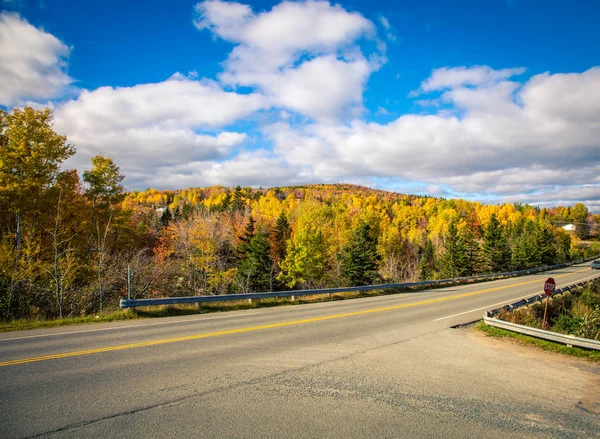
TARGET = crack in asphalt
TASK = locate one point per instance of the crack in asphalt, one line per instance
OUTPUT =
(177, 401)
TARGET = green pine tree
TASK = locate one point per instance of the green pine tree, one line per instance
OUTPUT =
(279, 236)
(360, 258)
(427, 261)
(453, 260)
(237, 204)
(278, 241)
(496, 252)
(177, 214)
(166, 217)
(547, 247)
(472, 259)
(254, 269)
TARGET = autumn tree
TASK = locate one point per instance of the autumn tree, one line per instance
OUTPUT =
(104, 190)
(579, 216)
(306, 259)
(399, 257)
(31, 153)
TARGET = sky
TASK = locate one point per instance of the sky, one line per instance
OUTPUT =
(493, 101)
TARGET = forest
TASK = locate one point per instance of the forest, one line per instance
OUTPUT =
(68, 239)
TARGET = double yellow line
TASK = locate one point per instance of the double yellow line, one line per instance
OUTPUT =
(260, 327)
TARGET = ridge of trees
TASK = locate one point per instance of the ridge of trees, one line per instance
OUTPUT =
(67, 241)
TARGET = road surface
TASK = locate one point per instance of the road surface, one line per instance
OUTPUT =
(390, 366)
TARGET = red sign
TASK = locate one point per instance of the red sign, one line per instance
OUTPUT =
(549, 286)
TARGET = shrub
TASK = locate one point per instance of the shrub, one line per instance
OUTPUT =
(589, 325)
(589, 298)
(566, 324)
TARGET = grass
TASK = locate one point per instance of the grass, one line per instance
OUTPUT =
(24, 324)
(545, 345)
(176, 310)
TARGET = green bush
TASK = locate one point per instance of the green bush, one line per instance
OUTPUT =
(589, 298)
(566, 324)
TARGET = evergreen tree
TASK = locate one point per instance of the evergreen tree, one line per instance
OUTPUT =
(247, 236)
(496, 252)
(166, 217)
(226, 203)
(177, 214)
(360, 258)
(254, 269)
(472, 257)
(520, 253)
(278, 240)
(237, 204)
(547, 247)
(427, 262)
(279, 236)
(187, 211)
(453, 260)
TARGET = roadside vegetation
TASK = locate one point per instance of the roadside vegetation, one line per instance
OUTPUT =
(576, 312)
(68, 239)
(115, 314)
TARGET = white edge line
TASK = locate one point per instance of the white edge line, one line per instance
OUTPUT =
(505, 301)
(483, 307)
(123, 327)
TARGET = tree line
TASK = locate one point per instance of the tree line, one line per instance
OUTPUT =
(68, 240)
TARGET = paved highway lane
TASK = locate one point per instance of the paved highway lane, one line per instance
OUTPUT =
(384, 366)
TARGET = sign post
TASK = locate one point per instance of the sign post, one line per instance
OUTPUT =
(549, 287)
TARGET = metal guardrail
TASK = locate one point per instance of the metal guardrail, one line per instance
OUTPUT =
(569, 340)
(135, 303)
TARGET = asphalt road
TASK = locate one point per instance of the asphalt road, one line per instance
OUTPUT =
(389, 366)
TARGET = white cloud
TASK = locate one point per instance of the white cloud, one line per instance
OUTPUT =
(289, 28)
(560, 196)
(321, 87)
(33, 63)
(458, 76)
(155, 125)
(384, 22)
(177, 102)
(256, 168)
(388, 29)
(494, 147)
(302, 55)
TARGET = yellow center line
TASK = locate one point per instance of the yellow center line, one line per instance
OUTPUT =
(261, 327)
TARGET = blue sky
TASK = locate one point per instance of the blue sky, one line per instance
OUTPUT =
(494, 101)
